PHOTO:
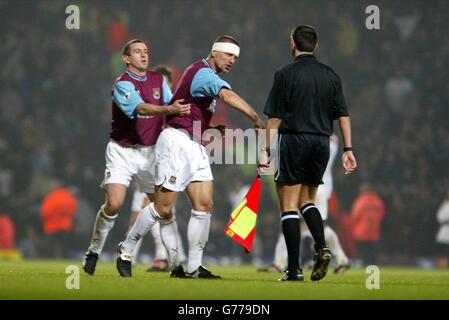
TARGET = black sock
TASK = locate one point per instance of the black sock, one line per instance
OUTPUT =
(313, 219)
(292, 235)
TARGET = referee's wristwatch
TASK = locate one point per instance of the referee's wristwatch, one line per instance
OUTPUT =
(347, 149)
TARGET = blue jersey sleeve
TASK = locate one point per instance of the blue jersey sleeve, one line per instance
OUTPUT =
(166, 93)
(126, 97)
(206, 83)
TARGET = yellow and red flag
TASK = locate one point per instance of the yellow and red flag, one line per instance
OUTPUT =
(242, 226)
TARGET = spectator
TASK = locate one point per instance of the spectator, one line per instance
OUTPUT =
(57, 211)
(367, 213)
(7, 230)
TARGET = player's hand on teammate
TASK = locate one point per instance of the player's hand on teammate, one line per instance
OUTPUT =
(349, 162)
(179, 109)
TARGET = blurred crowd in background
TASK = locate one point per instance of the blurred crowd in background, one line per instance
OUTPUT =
(55, 110)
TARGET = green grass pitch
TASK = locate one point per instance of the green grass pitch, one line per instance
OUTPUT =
(47, 280)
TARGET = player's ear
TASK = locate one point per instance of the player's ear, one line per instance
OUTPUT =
(292, 44)
(126, 60)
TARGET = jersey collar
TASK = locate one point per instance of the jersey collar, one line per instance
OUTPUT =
(135, 76)
(305, 56)
(207, 64)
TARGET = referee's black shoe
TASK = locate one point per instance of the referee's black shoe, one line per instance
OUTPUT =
(292, 275)
(124, 263)
(90, 262)
(321, 264)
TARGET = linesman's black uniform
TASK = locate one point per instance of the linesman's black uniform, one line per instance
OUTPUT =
(307, 96)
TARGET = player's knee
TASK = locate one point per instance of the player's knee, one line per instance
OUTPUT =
(204, 206)
(164, 212)
(112, 206)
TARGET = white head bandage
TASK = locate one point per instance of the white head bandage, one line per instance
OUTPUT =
(226, 47)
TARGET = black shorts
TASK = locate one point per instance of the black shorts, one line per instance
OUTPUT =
(302, 158)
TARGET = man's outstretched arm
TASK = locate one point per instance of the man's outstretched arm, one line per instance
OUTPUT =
(235, 101)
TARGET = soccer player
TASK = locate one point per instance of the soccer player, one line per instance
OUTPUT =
(305, 99)
(183, 163)
(140, 201)
(139, 97)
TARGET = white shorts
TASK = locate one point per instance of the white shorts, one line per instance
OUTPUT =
(322, 201)
(125, 163)
(180, 160)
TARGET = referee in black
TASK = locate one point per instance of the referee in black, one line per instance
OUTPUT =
(305, 99)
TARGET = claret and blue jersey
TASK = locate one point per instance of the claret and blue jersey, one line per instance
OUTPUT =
(129, 91)
(199, 85)
(127, 97)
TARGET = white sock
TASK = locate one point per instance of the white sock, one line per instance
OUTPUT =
(197, 234)
(334, 245)
(280, 252)
(182, 253)
(136, 250)
(170, 240)
(103, 224)
(159, 248)
(145, 221)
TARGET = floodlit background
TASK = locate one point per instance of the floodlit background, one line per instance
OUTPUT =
(55, 111)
